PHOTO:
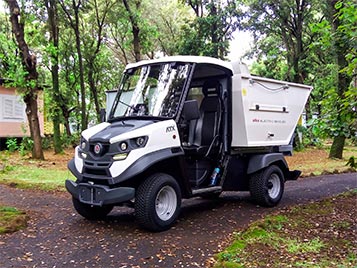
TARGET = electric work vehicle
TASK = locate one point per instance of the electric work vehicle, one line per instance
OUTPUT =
(186, 126)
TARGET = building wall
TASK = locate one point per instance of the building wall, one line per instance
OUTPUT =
(13, 119)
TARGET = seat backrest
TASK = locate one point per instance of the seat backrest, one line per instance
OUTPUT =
(207, 126)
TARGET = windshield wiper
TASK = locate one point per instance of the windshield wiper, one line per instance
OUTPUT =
(130, 106)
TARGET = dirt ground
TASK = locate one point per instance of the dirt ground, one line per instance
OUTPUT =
(56, 236)
(319, 234)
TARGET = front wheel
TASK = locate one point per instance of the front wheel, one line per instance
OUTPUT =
(267, 186)
(158, 202)
(91, 212)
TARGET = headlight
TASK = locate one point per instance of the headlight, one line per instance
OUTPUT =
(83, 143)
(123, 146)
(140, 141)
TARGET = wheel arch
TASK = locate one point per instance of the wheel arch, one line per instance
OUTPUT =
(173, 166)
(261, 161)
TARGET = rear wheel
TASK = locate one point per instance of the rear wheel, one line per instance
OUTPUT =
(91, 212)
(158, 202)
(267, 186)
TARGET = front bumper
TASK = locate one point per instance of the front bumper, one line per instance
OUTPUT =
(99, 195)
(293, 175)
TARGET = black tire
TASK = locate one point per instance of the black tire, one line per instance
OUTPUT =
(267, 186)
(158, 202)
(91, 212)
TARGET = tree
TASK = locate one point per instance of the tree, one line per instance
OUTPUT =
(132, 34)
(72, 13)
(94, 45)
(31, 90)
(285, 26)
(283, 38)
(211, 30)
(344, 43)
(53, 26)
(135, 29)
(166, 30)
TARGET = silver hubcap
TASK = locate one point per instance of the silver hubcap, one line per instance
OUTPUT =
(166, 203)
(274, 186)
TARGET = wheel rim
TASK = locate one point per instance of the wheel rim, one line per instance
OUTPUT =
(274, 186)
(166, 203)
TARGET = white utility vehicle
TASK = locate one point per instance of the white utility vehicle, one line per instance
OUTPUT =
(186, 126)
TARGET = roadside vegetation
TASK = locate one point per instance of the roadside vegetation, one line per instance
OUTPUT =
(319, 234)
(313, 161)
(17, 169)
(12, 219)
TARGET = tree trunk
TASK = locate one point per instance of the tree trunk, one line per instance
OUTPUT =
(214, 34)
(93, 89)
(135, 29)
(341, 49)
(338, 144)
(75, 26)
(92, 58)
(53, 27)
(29, 64)
(84, 121)
(34, 124)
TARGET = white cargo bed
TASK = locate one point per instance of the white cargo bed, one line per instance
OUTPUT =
(265, 112)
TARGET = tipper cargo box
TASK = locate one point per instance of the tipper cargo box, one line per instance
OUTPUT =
(181, 127)
(265, 111)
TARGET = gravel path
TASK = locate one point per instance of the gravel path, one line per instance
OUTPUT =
(58, 237)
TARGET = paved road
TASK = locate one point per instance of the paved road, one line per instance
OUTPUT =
(58, 237)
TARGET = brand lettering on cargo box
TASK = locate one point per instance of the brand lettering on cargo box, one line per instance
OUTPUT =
(270, 121)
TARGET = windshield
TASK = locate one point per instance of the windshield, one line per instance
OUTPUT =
(151, 90)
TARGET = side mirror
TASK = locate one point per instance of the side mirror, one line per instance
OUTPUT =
(102, 115)
(190, 110)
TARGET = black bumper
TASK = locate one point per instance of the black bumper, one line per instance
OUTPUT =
(99, 195)
(293, 175)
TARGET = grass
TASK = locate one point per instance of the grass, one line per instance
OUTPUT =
(35, 178)
(11, 219)
(327, 239)
(314, 161)
(23, 172)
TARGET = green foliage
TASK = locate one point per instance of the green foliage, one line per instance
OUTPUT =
(352, 162)
(338, 99)
(70, 141)
(26, 146)
(295, 246)
(275, 240)
(4, 162)
(211, 30)
(11, 219)
(305, 49)
(11, 144)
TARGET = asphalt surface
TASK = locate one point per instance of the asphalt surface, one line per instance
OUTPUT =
(58, 237)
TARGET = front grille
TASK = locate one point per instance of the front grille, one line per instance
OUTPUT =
(98, 172)
(97, 164)
(96, 168)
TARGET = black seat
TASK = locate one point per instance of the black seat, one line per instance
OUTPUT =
(204, 133)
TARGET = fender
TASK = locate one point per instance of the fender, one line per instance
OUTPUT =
(260, 161)
(147, 161)
(140, 165)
